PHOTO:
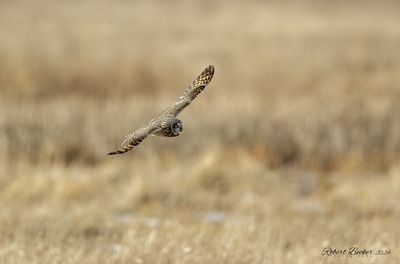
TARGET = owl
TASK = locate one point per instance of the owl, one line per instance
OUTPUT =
(166, 124)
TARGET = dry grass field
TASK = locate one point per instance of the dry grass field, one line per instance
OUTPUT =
(294, 146)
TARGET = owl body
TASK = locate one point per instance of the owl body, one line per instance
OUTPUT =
(166, 124)
(169, 126)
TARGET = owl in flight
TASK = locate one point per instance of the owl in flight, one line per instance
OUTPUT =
(166, 124)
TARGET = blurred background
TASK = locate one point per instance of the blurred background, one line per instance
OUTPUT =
(293, 147)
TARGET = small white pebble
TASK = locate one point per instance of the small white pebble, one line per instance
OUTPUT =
(187, 250)
(117, 249)
(152, 222)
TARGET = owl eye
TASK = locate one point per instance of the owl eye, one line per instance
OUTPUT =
(176, 126)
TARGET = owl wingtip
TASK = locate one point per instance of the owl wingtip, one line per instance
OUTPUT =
(119, 151)
(113, 153)
(209, 70)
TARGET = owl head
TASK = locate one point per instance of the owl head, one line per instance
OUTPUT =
(176, 127)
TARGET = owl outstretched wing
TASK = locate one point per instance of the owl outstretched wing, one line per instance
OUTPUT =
(134, 139)
(190, 93)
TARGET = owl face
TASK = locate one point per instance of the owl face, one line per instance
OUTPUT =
(177, 127)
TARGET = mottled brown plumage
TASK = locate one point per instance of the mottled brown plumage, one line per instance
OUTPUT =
(166, 124)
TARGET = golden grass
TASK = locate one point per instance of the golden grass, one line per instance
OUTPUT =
(292, 148)
(115, 212)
